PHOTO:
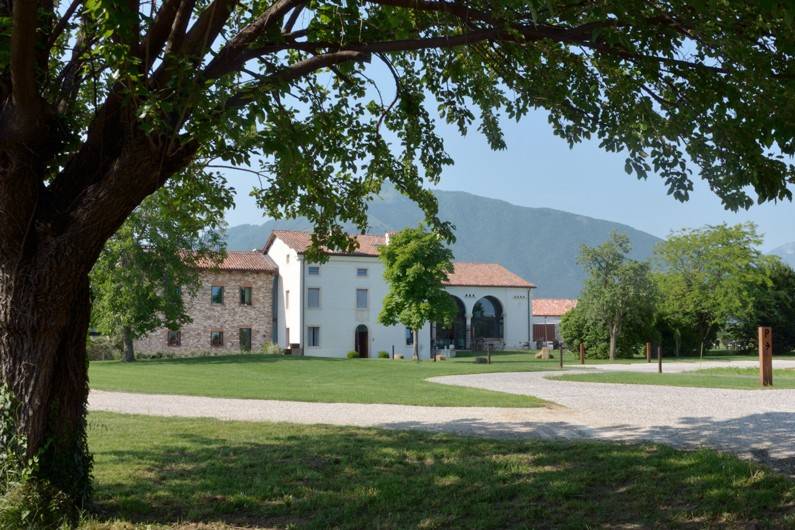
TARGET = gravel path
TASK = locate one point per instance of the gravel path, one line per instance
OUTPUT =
(751, 424)
(758, 424)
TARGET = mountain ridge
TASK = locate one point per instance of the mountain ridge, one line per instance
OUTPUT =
(540, 244)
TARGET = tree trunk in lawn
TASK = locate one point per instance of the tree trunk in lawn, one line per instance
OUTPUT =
(613, 336)
(416, 353)
(129, 349)
(44, 315)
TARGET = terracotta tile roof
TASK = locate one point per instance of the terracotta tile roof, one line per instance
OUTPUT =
(300, 241)
(552, 307)
(254, 261)
(485, 275)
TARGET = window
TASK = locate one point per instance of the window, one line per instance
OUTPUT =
(216, 295)
(313, 297)
(361, 272)
(313, 336)
(314, 270)
(245, 296)
(361, 298)
(174, 338)
(245, 339)
(287, 299)
(287, 258)
(409, 337)
(217, 339)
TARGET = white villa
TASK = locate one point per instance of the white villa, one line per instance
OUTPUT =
(331, 308)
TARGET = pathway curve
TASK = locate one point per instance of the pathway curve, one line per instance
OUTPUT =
(758, 424)
(755, 424)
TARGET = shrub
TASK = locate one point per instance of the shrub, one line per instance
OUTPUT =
(271, 348)
(383, 355)
(102, 349)
(353, 355)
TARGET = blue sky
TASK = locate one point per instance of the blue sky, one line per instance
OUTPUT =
(539, 170)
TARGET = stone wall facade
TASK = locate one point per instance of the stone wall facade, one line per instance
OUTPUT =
(229, 317)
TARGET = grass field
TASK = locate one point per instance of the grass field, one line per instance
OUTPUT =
(738, 378)
(257, 376)
(175, 473)
(315, 379)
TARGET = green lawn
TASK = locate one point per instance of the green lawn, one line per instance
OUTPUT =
(316, 379)
(739, 378)
(175, 473)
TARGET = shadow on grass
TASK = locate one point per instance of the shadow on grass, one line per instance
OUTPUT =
(278, 474)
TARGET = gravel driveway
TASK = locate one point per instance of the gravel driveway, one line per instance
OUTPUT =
(751, 424)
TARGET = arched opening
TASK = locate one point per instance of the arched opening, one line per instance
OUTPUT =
(487, 319)
(454, 335)
(361, 341)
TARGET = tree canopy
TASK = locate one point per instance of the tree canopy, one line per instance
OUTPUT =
(416, 264)
(710, 276)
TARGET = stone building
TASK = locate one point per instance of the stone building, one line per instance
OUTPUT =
(232, 310)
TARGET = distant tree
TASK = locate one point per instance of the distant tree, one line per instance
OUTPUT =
(710, 275)
(578, 327)
(138, 283)
(619, 293)
(416, 263)
(773, 305)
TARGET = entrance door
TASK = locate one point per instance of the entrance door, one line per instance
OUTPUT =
(245, 339)
(362, 341)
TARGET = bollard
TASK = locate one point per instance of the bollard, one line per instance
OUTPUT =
(648, 352)
(766, 356)
(489, 349)
(659, 359)
(582, 353)
(561, 355)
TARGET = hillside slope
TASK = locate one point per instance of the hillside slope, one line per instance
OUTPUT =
(539, 244)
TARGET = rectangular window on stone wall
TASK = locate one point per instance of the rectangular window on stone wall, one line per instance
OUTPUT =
(361, 298)
(361, 272)
(245, 296)
(217, 339)
(313, 336)
(409, 337)
(216, 294)
(313, 297)
(313, 270)
(245, 339)
(287, 299)
(174, 338)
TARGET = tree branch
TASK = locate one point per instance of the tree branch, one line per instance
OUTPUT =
(24, 91)
(64, 20)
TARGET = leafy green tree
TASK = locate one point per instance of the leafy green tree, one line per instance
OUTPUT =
(773, 305)
(619, 292)
(416, 263)
(104, 102)
(578, 326)
(150, 263)
(710, 275)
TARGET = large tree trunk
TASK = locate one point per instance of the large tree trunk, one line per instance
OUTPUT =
(44, 315)
(129, 349)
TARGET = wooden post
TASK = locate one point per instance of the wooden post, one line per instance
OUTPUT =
(488, 351)
(561, 355)
(659, 359)
(648, 352)
(766, 356)
(582, 353)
